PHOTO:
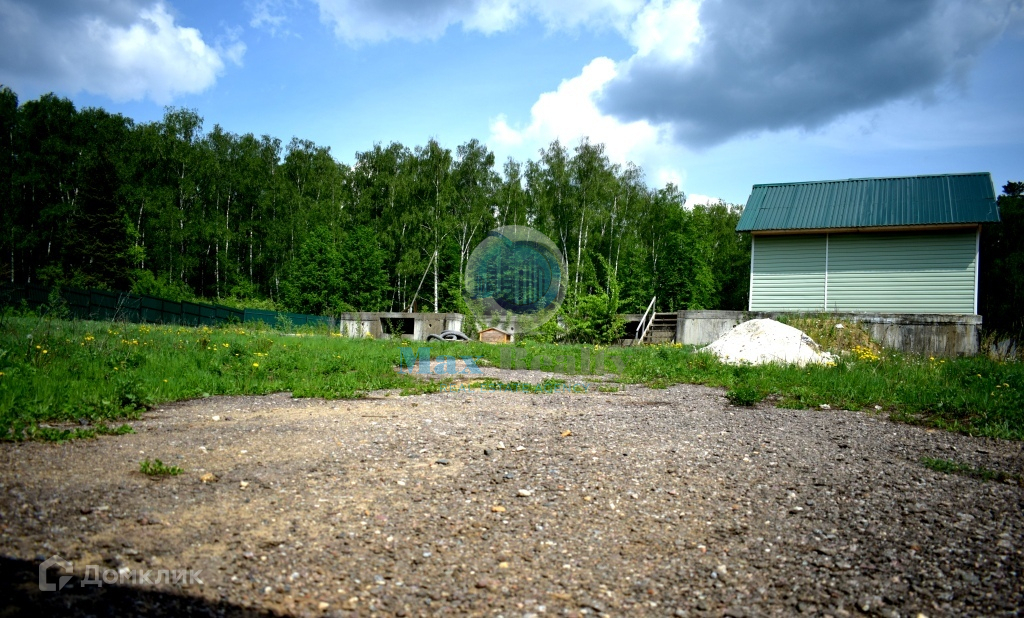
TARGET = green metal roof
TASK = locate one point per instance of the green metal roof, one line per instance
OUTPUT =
(945, 199)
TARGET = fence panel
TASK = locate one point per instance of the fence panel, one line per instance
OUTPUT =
(107, 305)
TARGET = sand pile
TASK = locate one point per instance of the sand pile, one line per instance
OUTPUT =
(766, 341)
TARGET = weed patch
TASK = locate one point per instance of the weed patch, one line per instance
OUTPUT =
(948, 466)
(158, 468)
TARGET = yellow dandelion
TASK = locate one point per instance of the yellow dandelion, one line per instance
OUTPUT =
(255, 364)
(44, 351)
(165, 380)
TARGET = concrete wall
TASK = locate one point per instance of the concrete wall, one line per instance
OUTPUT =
(423, 324)
(931, 334)
(703, 327)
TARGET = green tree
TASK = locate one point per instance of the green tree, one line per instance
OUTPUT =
(1002, 265)
(315, 278)
(10, 215)
(362, 271)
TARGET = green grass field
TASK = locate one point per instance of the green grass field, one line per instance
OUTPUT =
(68, 379)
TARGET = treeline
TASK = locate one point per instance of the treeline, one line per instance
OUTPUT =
(1001, 285)
(93, 199)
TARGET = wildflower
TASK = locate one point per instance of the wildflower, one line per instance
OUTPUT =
(165, 380)
(255, 364)
(38, 346)
(225, 345)
(44, 351)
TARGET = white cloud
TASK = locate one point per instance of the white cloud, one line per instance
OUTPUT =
(267, 14)
(120, 50)
(369, 21)
(569, 114)
(669, 32)
(697, 199)
(661, 31)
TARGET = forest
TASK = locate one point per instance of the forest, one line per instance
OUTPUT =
(95, 200)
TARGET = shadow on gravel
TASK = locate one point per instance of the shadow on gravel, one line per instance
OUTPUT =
(20, 596)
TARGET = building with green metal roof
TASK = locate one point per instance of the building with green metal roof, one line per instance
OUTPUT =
(879, 245)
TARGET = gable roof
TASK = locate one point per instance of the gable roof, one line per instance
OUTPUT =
(944, 199)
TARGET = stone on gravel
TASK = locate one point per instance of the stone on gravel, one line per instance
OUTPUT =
(762, 341)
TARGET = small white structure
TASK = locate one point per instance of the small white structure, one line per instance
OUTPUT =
(386, 324)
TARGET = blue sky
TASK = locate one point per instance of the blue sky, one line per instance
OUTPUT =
(714, 95)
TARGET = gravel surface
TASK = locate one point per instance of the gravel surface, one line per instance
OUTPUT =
(638, 502)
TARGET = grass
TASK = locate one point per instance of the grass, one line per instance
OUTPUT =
(976, 395)
(948, 466)
(84, 374)
(61, 380)
(158, 468)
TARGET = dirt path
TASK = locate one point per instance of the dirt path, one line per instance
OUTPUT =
(641, 502)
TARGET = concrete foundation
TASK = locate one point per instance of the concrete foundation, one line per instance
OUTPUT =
(930, 334)
(389, 324)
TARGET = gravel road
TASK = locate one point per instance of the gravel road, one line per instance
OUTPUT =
(638, 502)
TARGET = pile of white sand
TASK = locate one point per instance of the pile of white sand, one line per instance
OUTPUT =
(766, 341)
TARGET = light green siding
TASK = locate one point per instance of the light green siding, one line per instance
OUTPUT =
(875, 272)
(902, 273)
(788, 273)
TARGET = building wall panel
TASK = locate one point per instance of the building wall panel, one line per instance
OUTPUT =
(788, 273)
(902, 273)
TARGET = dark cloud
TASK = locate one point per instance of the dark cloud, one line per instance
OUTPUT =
(778, 64)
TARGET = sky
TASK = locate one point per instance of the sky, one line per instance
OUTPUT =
(712, 95)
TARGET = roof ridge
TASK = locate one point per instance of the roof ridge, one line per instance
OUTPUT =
(821, 182)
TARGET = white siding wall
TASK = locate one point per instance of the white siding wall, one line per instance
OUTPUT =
(788, 273)
(878, 272)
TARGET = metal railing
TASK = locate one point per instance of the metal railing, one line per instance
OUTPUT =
(645, 323)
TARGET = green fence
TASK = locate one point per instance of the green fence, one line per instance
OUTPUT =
(105, 305)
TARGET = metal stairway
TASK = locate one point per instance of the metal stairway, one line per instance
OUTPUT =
(663, 328)
(655, 327)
